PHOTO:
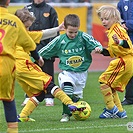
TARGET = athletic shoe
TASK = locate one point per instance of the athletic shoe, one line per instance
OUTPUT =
(74, 107)
(65, 118)
(109, 113)
(24, 119)
(126, 102)
(49, 102)
(121, 115)
(25, 101)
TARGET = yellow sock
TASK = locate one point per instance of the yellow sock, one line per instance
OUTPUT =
(107, 94)
(29, 107)
(12, 127)
(117, 101)
(61, 95)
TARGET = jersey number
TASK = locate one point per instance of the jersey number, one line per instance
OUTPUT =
(2, 33)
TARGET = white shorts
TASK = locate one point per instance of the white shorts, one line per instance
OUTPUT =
(78, 80)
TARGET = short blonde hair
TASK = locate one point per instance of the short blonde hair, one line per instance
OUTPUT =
(110, 12)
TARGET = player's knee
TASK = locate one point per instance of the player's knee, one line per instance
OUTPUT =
(41, 97)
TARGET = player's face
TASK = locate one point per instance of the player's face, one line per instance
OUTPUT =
(107, 22)
(72, 31)
(38, 1)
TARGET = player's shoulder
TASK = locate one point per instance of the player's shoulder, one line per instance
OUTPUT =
(13, 17)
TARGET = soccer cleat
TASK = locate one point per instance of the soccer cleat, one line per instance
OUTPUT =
(109, 113)
(65, 118)
(74, 107)
(121, 115)
(24, 119)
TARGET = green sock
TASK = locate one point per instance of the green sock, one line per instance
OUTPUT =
(66, 109)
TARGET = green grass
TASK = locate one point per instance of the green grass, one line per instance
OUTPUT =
(48, 118)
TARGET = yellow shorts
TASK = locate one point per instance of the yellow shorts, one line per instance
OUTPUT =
(118, 73)
(7, 78)
(31, 78)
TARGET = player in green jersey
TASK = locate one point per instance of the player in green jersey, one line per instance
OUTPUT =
(74, 51)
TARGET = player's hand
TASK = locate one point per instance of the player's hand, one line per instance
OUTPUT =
(124, 26)
(98, 50)
(115, 38)
(61, 27)
(40, 62)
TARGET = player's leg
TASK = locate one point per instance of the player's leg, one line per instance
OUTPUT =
(66, 83)
(71, 84)
(61, 95)
(109, 84)
(48, 67)
(122, 112)
(111, 108)
(32, 103)
(68, 89)
(11, 116)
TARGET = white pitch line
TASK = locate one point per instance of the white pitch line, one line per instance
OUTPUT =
(62, 129)
(59, 129)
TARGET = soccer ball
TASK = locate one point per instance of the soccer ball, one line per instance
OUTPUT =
(82, 115)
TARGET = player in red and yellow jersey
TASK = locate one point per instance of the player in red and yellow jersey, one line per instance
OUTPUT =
(12, 34)
(120, 70)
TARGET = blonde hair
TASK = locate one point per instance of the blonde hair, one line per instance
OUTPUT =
(109, 12)
(24, 15)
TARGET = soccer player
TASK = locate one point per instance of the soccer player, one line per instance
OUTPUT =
(12, 34)
(120, 70)
(46, 17)
(34, 82)
(74, 51)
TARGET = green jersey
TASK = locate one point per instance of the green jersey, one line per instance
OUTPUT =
(74, 54)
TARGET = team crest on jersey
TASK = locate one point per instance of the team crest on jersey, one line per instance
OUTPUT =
(75, 61)
(46, 14)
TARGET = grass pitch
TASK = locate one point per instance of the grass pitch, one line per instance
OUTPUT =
(48, 118)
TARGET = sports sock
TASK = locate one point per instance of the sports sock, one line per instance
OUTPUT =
(59, 94)
(107, 94)
(117, 101)
(66, 109)
(68, 89)
(12, 127)
(29, 107)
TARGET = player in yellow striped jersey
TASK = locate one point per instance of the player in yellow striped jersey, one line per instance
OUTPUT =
(12, 34)
(30, 76)
(120, 70)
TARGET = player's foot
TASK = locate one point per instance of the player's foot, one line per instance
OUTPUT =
(49, 102)
(24, 119)
(75, 106)
(109, 113)
(25, 101)
(121, 115)
(65, 118)
(127, 102)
